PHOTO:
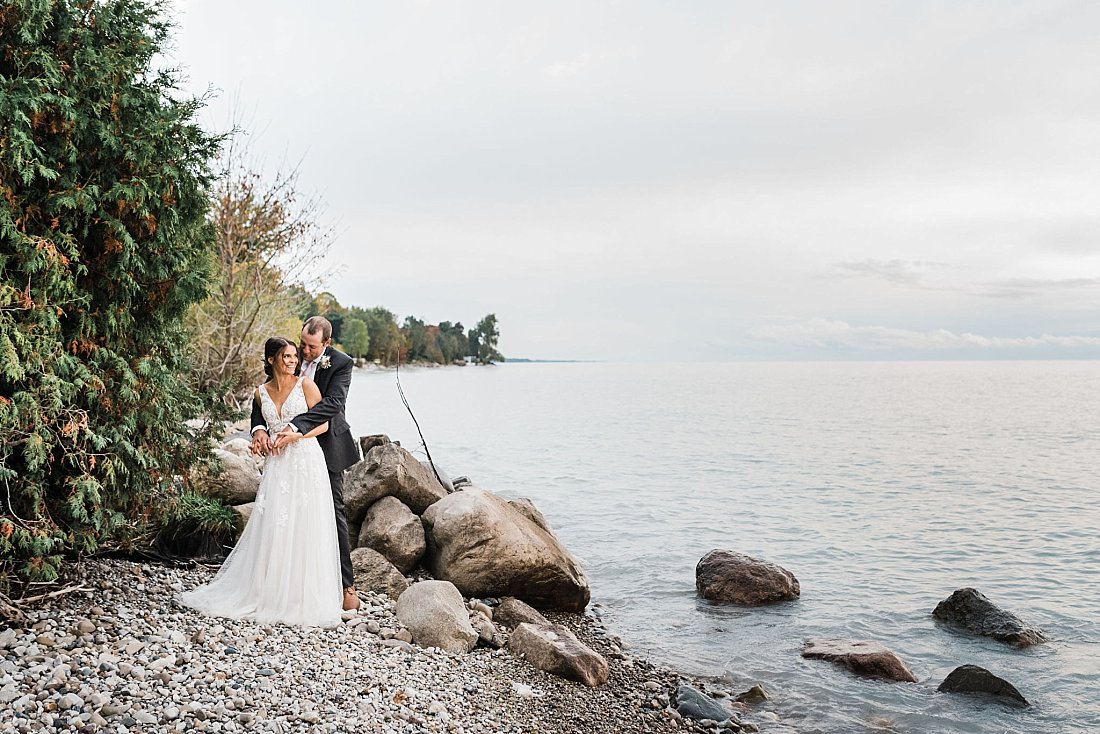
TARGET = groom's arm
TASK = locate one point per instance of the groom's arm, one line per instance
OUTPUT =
(260, 438)
(331, 404)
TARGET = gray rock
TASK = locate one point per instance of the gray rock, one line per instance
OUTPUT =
(486, 630)
(556, 650)
(488, 548)
(366, 443)
(511, 612)
(973, 679)
(527, 508)
(972, 610)
(753, 695)
(374, 573)
(861, 657)
(726, 576)
(435, 614)
(245, 511)
(439, 474)
(691, 703)
(393, 530)
(389, 470)
(235, 482)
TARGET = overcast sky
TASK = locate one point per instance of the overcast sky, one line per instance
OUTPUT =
(690, 180)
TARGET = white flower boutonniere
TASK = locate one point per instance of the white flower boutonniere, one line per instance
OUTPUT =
(324, 362)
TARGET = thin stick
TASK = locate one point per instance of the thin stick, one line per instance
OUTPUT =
(50, 595)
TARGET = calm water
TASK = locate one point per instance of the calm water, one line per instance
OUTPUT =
(882, 486)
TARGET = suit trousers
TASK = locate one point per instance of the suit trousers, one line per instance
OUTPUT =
(336, 479)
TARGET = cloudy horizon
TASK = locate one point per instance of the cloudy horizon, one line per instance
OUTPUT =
(702, 181)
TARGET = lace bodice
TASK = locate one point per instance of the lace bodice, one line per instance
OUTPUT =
(294, 406)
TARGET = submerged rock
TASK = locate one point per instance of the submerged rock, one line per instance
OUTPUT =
(974, 679)
(723, 575)
(862, 657)
(972, 610)
(692, 703)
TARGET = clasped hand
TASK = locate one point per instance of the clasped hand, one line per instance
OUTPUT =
(263, 444)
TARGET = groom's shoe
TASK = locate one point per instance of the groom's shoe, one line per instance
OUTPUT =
(351, 599)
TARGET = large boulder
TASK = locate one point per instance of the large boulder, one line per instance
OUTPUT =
(556, 650)
(242, 447)
(488, 548)
(389, 470)
(234, 482)
(726, 576)
(393, 530)
(527, 508)
(435, 615)
(861, 657)
(511, 612)
(972, 610)
(374, 573)
(973, 679)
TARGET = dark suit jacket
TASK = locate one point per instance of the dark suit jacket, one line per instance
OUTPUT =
(341, 450)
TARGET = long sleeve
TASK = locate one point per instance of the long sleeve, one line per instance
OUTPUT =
(258, 421)
(331, 404)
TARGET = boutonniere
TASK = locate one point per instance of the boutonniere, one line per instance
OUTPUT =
(324, 362)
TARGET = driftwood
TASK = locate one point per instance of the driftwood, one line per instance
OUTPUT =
(11, 615)
(52, 594)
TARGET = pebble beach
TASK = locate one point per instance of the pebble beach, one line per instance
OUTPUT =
(120, 655)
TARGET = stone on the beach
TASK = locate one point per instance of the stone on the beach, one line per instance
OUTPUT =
(486, 631)
(439, 474)
(389, 470)
(726, 576)
(972, 610)
(393, 530)
(434, 613)
(245, 511)
(556, 650)
(973, 679)
(234, 483)
(691, 703)
(527, 508)
(366, 443)
(511, 612)
(374, 573)
(243, 448)
(486, 547)
(862, 657)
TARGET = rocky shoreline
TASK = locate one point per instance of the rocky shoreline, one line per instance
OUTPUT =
(121, 655)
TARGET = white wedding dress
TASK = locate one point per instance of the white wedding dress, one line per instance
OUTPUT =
(286, 566)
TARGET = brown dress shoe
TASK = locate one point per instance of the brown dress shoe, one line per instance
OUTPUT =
(351, 599)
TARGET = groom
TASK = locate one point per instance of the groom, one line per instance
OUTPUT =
(331, 370)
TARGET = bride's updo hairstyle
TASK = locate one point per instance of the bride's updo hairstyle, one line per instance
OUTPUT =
(273, 347)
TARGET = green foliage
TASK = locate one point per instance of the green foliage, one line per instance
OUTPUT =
(193, 512)
(483, 341)
(356, 340)
(104, 183)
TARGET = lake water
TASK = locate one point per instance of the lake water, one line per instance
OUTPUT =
(882, 486)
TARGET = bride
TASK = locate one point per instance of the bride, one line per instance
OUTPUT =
(286, 565)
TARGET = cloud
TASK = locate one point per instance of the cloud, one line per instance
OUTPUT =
(568, 68)
(819, 333)
(1029, 287)
(901, 272)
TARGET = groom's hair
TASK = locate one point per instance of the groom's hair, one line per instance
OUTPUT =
(315, 324)
(273, 347)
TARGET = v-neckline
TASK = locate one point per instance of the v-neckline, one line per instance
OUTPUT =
(279, 408)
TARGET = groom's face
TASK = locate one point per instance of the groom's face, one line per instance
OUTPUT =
(312, 345)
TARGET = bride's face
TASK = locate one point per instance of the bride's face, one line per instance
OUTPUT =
(287, 360)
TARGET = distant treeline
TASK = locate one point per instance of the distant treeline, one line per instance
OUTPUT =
(374, 334)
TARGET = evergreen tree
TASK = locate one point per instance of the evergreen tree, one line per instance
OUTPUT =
(483, 341)
(104, 182)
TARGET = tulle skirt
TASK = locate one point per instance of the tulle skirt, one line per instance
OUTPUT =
(286, 566)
